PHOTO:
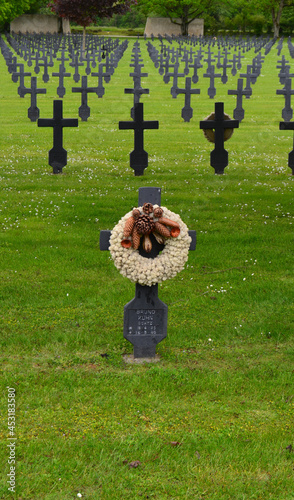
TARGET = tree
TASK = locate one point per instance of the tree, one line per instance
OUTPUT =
(275, 9)
(180, 12)
(10, 9)
(85, 12)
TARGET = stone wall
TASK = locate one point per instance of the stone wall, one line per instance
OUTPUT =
(39, 23)
(164, 26)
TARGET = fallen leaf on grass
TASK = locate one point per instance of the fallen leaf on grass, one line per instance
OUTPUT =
(175, 443)
(135, 464)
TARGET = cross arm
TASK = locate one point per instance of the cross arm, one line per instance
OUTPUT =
(286, 125)
(70, 122)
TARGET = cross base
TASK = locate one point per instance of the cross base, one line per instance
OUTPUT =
(145, 321)
(139, 161)
(57, 160)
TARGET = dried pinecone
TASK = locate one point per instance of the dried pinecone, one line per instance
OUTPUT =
(136, 238)
(158, 212)
(129, 227)
(136, 213)
(147, 208)
(144, 224)
(161, 229)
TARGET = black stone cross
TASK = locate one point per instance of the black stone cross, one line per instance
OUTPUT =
(137, 91)
(84, 109)
(106, 76)
(219, 157)
(20, 75)
(249, 79)
(187, 111)
(33, 110)
(57, 155)
(46, 64)
(145, 317)
(239, 112)
(76, 64)
(175, 76)
(197, 65)
(138, 157)
(234, 62)
(287, 112)
(289, 126)
(211, 75)
(61, 75)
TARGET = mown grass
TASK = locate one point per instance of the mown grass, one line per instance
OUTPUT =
(214, 418)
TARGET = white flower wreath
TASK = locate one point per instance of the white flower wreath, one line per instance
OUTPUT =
(146, 271)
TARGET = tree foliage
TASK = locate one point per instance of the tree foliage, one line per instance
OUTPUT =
(181, 12)
(85, 12)
(10, 9)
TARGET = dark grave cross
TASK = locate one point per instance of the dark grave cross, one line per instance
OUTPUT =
(239, 57)
(185, 59)
(62, 58)
(20, 75)
(145, 317)
(225, 66)
(106, 76)
(211, 75)
(219, 60)
(289, 126)
(187, 111)
(219, 157)
(234, 63)
(137, 91)
(37, 66)
(197, 65)
(46, 64)
(61, 75)
(33, 110)
(138, 157)
(287, 112)
(76, 64)
(284, 70)
(239, 112)
(248, 76)
(167, 73)
(89, 60)
(84, 109)
(209, 60)
(58, 155)
(175, 76)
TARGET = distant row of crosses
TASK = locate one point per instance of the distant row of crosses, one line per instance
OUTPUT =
(139, 157)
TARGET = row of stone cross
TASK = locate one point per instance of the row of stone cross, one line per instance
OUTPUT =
(166, 61)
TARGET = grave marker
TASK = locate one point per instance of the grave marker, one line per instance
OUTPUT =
(287, 112)
(219, 157)
(187, 111)
(33, 110)
(239, 112)
(57, 155)
(138, 157)
(289, 126)
(145, 317)
(84, 109)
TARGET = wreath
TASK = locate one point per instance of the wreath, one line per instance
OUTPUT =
(209, 133)
(134, 229)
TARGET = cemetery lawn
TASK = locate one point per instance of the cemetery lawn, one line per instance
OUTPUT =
(213, 419)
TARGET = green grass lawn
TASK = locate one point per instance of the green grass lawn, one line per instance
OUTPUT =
(213, 419)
